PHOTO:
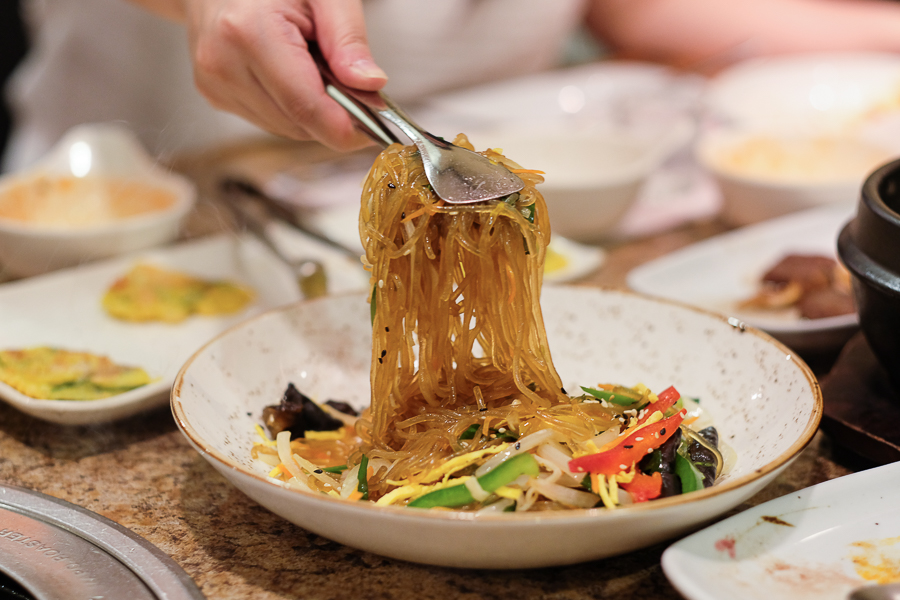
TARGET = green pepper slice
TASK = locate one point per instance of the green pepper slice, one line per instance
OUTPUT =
(691, 478)
(459, 495)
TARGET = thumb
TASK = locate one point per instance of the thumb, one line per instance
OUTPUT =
(341, 34)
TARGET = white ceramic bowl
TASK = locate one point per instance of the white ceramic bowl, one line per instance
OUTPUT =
(809, 128)
(763, 175)
(813, 91)
(764, 401)
(102, 151)
(597, 130)
(592, 177)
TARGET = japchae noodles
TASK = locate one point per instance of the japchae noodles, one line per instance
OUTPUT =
(467, 409)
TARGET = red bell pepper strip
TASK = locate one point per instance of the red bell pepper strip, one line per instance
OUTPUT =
(630, 451)
(664, 401)
(644, 487)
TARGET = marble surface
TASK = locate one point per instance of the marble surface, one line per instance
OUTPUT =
(141, 473)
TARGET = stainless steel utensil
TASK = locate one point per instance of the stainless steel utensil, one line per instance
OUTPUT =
(254, 217)
(457, 175)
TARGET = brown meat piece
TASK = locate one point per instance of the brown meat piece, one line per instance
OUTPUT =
(826, 302)
(811, 272)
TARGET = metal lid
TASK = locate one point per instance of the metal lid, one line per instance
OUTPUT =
(55, 549)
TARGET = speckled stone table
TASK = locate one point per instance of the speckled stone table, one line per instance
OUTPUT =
(142, 473)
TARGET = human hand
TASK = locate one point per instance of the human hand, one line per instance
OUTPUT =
(250, 58)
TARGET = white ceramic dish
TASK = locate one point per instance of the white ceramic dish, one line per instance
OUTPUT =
(97, 151)
(592, 176)
(597, 131)
(765, 403)
(811, 544)
(630, 93)
(808, 128)
(718, 273)
(776, 174)
(819, 91)
(63, 310)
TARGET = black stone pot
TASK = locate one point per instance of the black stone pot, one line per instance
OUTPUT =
(869, 246)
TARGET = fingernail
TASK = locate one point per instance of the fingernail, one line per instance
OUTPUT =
(367, 68)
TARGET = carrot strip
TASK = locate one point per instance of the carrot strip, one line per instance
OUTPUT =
(527, 171)
(414, 214)
(426, 208)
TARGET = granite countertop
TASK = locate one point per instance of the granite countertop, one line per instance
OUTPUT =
(142, 473)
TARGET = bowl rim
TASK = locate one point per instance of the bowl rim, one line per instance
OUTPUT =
(576, 514)
(185, 198)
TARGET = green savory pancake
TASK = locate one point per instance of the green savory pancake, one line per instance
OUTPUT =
(149, 293)
(53, 374)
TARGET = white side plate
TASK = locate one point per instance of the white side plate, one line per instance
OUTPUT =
(718, 273)
(63, 310)
(821, 543)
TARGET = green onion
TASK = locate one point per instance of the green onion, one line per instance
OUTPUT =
(336, 469)
(372, 304)
(620, 395)
(470, 431)
(586, 483)
(530, 215)
(361, 477)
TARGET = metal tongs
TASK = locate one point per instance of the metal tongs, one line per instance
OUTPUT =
(254, 211)
(457, 175)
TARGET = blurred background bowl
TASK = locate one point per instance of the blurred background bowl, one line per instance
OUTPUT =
(592, 177)
(869, 246)
(598, 131)
(96, 194)
(782, 134)
(763, 175)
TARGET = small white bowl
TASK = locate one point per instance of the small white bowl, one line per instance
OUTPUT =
(822, 113)
(592, 177)
(764, 401)
(102, 151)
(763, 175)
